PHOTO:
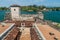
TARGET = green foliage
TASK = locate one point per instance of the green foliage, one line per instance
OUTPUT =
(3, 8)
(55, 8)
(30, 7)
(41, 7)
(58, 25)
(34, 8)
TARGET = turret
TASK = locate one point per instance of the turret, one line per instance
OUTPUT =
(15, 12)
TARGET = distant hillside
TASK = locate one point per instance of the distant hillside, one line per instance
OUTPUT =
(34, 8)
(4, 8)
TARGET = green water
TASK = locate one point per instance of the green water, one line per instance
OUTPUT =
(3, 12)
(50, 15)
(27, 12)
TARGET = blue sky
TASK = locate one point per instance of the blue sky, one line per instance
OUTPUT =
(49, 3)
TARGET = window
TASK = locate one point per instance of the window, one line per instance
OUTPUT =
(22, 24)
(14, 9)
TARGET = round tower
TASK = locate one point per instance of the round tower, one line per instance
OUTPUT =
(15, 12)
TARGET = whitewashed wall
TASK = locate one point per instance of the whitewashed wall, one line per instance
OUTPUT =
(15, 14)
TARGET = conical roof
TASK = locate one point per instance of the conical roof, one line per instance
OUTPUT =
(14, 5)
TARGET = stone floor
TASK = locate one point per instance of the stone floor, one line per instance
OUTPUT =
(25, 35)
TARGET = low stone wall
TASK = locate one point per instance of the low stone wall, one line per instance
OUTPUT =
(13, 34)
(34, 35)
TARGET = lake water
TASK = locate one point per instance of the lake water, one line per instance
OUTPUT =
(50, 15)
(3, 12)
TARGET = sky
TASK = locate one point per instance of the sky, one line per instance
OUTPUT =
(48, 3)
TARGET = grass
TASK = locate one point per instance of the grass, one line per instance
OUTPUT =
(58, 25)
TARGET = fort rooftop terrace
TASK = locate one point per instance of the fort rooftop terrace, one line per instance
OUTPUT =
(47, 32)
